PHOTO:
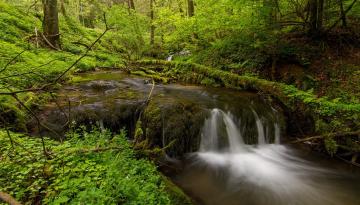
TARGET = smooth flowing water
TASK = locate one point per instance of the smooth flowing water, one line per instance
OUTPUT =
(226, 171)
(240, 160)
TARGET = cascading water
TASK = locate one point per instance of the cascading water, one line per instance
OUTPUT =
(259, 174)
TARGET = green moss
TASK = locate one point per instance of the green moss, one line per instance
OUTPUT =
(138, 131)
(151, 122)
(347, 115)
(153, 75)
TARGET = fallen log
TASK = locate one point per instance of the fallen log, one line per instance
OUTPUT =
(335, 134)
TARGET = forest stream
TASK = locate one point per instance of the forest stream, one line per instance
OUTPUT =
(237, 153)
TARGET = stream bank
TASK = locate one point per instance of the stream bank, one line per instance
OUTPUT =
(175, 125)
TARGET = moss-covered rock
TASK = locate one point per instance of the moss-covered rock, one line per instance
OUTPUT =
(303, 108)
(175, 126)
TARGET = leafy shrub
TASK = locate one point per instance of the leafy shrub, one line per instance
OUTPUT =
(91, 168)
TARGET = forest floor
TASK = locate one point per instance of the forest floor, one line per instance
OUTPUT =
(333, 76)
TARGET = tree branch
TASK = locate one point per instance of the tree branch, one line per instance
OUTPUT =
(339, 19)
(44, 87)
(12, 60)
(336, 134)
(85, 54)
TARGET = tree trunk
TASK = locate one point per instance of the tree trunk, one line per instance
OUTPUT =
(62, 7)
(131, 4)
(342, 14)
(51, 23)
(316, 8)
(320, 15)
(191, 8)
(152, 28)
(313, 16)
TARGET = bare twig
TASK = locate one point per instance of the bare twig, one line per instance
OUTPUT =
(38, 122)
(7, 132)
(48, 42)
(339, 19)
(44, 87)
(151, 91)
(84, 55)
(12, 60)
(81, 44)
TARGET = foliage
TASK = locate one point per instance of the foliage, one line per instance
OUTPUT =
(331, 146)
(77, 173)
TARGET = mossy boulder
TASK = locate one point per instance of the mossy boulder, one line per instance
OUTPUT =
(174, 126)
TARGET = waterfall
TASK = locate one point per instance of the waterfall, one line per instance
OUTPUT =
(235, 139)
(170, 57)
(260, 129)
(277, 133)
(266, 167)
(210, 138)
(213, 135)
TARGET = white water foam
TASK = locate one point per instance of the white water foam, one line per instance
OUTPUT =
(271, 167)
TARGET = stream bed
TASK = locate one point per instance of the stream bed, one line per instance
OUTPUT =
(230, 144)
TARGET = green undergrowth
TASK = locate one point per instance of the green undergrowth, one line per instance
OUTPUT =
(90, 168)
(334, 115)
(39, 65)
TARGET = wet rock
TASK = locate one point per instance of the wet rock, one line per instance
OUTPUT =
(101, 85)
(175, 126)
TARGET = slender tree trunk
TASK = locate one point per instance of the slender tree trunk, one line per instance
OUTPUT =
(313, 5)
(51, 23)
(131, 4)
(62, 7)
(342, 14)
(320, 15)
(152, 27)
(81, 16)
(316, 10)
(181, 10)
(191, 8)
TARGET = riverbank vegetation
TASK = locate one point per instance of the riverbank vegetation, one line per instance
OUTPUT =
(303, 56)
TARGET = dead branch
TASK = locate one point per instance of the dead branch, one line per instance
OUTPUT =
(84, 55)
(331, 135)
(44, 87)
(48, 42)
(151, 91)
(81, 44)
(8, 199)
(352, 162)
(12, 60)
(32, 70)
(339, 19)
(62, 111)
(38, 123)
(7, 131)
